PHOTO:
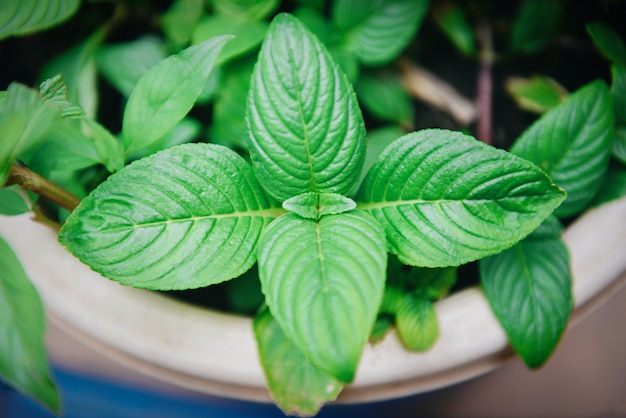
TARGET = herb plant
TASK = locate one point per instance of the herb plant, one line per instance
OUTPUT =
(351, 230)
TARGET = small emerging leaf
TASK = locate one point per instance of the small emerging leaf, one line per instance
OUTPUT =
(537, 94)
(295, 384)
(186, 217)
(572, 144)
(417, 323)
(23, 362)
(529, 287)
(306, 129)
(445, 198)
(323, 281)
(315, 205)
(166, 92)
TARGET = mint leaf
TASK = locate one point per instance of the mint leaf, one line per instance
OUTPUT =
(296, 385)
(529, 289)
(182, 218)
(608, 41)
(306, 129)
(23, 362)
(572, 144)
(20, 17)
(378, 30)
(315, 205)
(536, 94)
(417, 324)
(166, 92)
(323, 281)
(444, 198)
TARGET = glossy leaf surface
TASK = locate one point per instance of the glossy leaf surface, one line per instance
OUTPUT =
(182, 218)
(323, 282)
(306, 129)
(166, 92)
(445, 199)
(315, 205)
(23, 361)
(572, 144)
(378, 30)
(295, 384)
(529, 289)
(21, 17)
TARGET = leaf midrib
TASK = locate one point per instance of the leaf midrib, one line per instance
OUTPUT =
(396, 203)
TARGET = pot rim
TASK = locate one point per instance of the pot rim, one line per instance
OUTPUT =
(216, 353)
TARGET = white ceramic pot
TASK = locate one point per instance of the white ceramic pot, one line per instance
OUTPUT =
(216, 353)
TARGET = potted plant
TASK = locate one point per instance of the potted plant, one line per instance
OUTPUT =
(349, 235)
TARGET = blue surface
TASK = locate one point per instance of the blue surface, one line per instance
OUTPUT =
(85, 397)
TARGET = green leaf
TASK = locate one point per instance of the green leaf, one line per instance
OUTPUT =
(306, 129)
(618, 91)
(295, 384)
(378, 30)
(21, 17)
(383, 95)
(535, 25)
(377, 141)
(451, 19)
(323, 281)
(248, 35)
(445, 198)
(182, 218)
(608, 42)
(166, 92)
(316, 205)
(246, 10)
(619, 144)
(613, 187)
(572, 144)
(123, 64)
(24, 120)
(536, 94)
(185, 131)
(180, 19)
(417, 324)
(426, 283)
(529, 289)
(381, 327)
(13, 201)
(23, 361)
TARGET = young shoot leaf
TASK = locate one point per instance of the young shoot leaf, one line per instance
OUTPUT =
(186, 217)
(306, 131)
(536, 94)
(444, 198)
(323, 282)
(23, 363)
(166, 92)
(416, 322)
(296, 385)
(315, 205)
(21, 17)
(378, 30)
(572, 144)
(529, 289)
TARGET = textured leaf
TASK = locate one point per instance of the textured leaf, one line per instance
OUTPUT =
(123, 64)
(166, 92)
(323, 282)
(295, 384)
(20, 17)
(537, 94)
(572, 144)
(378, 30)
(529, 289)
(535, 26)
(306, 129)
(248, 35)
(445, 199)
(182, 218)
(451, 19)
(315, 205)
(23, 362)
(417, 324)
(608, 41)
(383, 95)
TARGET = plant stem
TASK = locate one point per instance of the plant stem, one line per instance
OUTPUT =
(29, 180)
(485, 84)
